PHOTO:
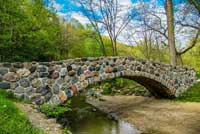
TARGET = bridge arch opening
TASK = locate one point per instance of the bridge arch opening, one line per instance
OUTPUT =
(156, 88)
(118, 86)
(144, 85)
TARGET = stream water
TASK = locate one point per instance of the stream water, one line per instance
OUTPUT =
(85, 119)
(102, 125)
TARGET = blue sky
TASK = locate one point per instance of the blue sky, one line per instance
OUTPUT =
(67, 9)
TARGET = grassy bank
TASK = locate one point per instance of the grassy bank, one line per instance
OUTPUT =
(198, 75)
(12, 120)
(192, 95)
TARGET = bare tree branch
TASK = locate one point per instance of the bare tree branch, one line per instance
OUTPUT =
(109, 15)
(188, 25)
(194, 42)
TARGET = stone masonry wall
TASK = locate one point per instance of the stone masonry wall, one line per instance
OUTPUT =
(55, 82)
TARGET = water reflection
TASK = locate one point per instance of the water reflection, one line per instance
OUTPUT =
(85, 120)
(103, 125)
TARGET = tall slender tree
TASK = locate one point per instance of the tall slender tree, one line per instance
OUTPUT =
(170, 27)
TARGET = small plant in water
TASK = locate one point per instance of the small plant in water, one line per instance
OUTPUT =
(55, 110)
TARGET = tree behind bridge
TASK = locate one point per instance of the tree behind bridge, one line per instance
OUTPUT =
(107, 17)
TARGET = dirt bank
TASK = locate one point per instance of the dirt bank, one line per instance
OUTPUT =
(39, 120)
(153, 116)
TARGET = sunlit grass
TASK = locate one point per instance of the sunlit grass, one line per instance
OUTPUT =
(12, 120)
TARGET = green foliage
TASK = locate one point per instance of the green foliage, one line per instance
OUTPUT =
(192, 57)
(13, 121)
(66, 131)
(55, 110)
(192, 95)
(155, 52)
(28, 31)
(31, 32)
(107, 89)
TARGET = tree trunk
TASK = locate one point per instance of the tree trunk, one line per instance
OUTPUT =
(115, 47)
(101, 43)
(170, 26)
(146, 47)
(179, 60)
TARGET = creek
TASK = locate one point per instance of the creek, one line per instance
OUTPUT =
(86, 119)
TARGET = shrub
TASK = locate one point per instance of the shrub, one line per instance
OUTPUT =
(55, 110)
(107, 88)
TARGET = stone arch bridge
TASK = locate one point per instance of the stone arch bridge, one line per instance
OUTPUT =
(55, 82)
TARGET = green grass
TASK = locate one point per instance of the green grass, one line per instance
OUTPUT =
(12, 120)
(198, 75)
(192, 95)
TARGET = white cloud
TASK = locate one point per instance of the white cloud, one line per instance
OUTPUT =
(63, 15)
(125, 2)
(56, 5)
(80, 18)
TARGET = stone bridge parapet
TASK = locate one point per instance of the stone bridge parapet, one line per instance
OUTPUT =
(55, 82)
